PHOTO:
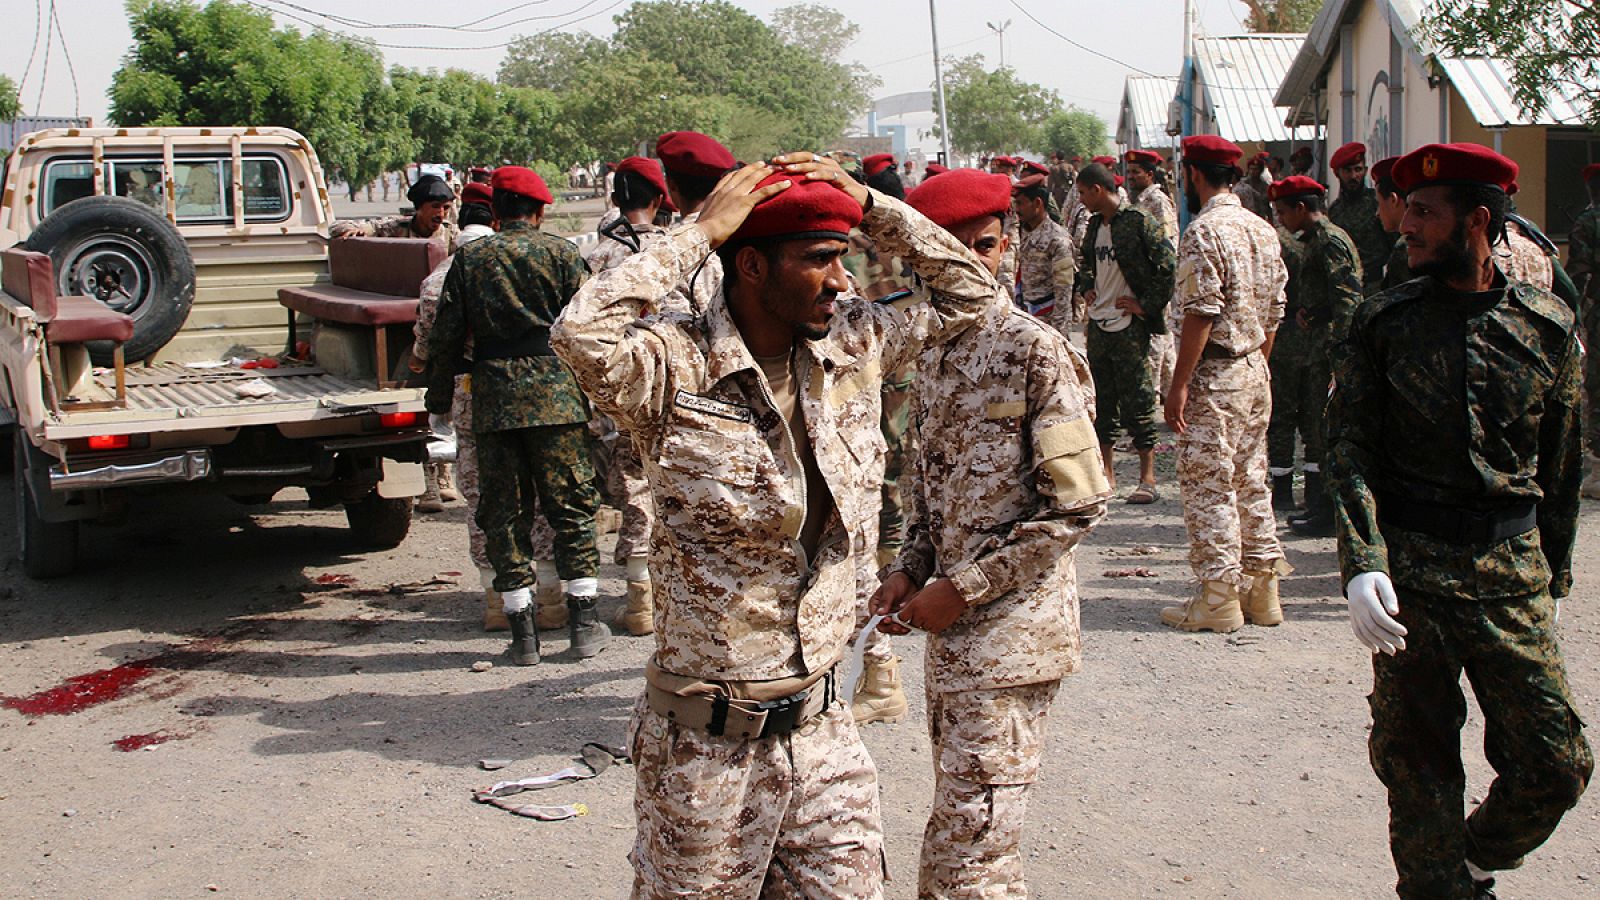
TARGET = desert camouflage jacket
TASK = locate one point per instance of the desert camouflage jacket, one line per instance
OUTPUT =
(1467, 402)
(1045, 263)
(1146, 257)
(1155, 201)
(1008, 480)
(1230, 269)
(737, 599)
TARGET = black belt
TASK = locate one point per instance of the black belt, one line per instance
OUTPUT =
(1455, 525)
(1217, 351)
(534, 342)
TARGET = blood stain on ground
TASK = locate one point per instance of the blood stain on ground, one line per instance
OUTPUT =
(140, 741)
(80, 692)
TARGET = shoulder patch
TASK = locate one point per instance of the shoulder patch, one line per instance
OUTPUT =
(1400, 293)
(1545, 305)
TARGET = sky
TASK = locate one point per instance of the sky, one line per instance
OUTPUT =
(894, 42)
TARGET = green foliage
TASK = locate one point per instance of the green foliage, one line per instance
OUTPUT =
(1281, 16)
(1546, 43)
(10, 101)
(991, 112)
(552, 62)
(1072, 132)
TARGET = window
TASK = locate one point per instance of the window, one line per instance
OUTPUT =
(141, 181)
(199, 188)
(1566, 153)
(66, 181)
(266, 195)
(202, 187)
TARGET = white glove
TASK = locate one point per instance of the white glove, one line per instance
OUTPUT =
(1373, 607)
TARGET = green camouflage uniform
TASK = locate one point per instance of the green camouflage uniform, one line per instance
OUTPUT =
(901, 441)
(530, 419)
(1583, 265)
(1290, 350)
(1357, 213)
(1397, 270)
(1486, 431)
(1329, 291)
(1125, 390)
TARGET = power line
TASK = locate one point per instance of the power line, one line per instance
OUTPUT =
(44, 68)
(892, 62)
(61, 35)
(1074, 43)
(388, 46)
(38, 21)
(466, 27)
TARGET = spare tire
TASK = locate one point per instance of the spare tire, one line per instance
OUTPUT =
(129, 257)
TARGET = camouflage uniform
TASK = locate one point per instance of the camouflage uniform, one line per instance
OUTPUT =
(1328, 290)
(1119, 349)
(739, 602)
(1397, 270)
(1009, 479)
(1523, 260)
(1046, 266)
(1163, 350)
(1008, 260)
(393, 227)
(1290, 350)
(528, 415)
(1075, 219)
(1357, 213)
(1583, 264)
(1488, 428)
(1230, 269)
(1252, 194)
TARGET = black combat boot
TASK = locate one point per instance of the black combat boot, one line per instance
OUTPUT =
(1283, 492)
(589, 634)
(1317, 521)
(524, 647)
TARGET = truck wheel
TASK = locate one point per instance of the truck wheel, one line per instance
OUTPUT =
(379, 523)
(47, 549)
(129, 257)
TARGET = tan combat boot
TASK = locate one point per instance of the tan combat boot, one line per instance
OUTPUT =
(638, 617)
(447, 483)
(1259, 602)
(1215, 607)
(494, 612)
(879, 697)
(429, 502)
(552, 607)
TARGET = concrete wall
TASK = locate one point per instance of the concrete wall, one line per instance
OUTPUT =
(1526, 145)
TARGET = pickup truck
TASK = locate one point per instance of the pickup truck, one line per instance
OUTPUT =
(172, 319)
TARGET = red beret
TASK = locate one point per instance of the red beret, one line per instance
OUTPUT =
(1209, 148)
(649, 170)
(479, 170)
(1035, 168)
(932, 169)
(523, 181)
(477, 192)
(1590, 171)
(1119, 180)
(961, 195)
(1030, 180)
(1107, 161)
(1293, 186)
(1262, 156)
(877, 162)
(1077, 159)
(1348, 155)
(1147, 157)
(806, 209)
(1383, 168)
(1454, 164)
(1004, 161)
(694, 154)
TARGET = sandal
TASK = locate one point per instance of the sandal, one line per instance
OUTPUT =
(1143, 495)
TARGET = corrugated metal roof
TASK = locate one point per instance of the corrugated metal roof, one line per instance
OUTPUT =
(1241, 75)
(1484, 85)
(1144, 102)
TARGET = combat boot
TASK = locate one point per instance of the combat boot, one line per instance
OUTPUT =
(1317, 521)
(1283, 493)
(524, 647)
(429, 502)
(879, 697)
(494, 612)
(638, 617)
(1259, 601)
(1215, 607)
(446, 479)
(552, 607)
(589, 634)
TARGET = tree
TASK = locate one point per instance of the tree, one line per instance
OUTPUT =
(1281, 16)
(1072, 132)
(990, 112)
(552, 62)
(821, 29)
(10, 100)
(1545, 42)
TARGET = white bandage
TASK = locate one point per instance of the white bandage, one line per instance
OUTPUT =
(638, 568)
(581, 587)
(516, 601)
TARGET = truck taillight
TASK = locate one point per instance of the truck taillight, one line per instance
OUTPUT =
(399, 419)
(110, 442)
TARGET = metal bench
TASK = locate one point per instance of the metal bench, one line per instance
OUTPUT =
(30, 278)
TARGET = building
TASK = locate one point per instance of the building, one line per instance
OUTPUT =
(1230, 87)
(1366, 73)
(1146, 113)
(11, 132)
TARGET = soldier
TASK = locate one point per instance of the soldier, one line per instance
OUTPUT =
(477, 175)
(1583, 264)
(1391, 209)
(1003, 165)
(1327, 291)
(1301, 161)
(1290, 351)
(1456, 530)
(932, 169)
(433, 200)
(1045, 262)
(908, 175)
(1252, 191)
(1230, 293)
(1127, 281)
(759, 425)
(1062, 175)
(1144, 167)
(639, 190)
(1008, 482)
(693, 163)
(1356, 211)
(528, 415)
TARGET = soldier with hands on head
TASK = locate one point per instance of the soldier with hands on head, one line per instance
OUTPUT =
(758, 422)
(1007, 482)
(1230, 294)
(1457, 504)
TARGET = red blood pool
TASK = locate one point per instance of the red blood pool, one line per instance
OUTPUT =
(332, 578)
(140, 741)
(82, 691)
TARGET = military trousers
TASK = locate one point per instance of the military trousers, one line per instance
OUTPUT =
(1591, 375)
(631, 492)
(1288, 367)
(540, 536)
(522, 471)
(789, 816)
(1222, 470)
(1532, 738)
(987, 749)
(1163, 357)
(1125, 393)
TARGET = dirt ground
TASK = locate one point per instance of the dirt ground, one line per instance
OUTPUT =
(314, 728)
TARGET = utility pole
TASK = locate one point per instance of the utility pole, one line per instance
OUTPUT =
(1001, 31)
(938, 79)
